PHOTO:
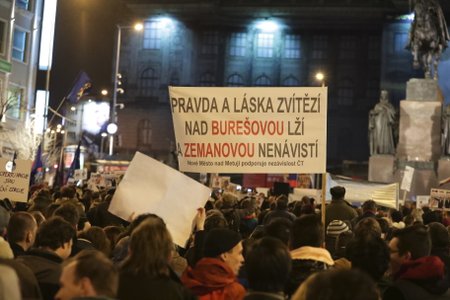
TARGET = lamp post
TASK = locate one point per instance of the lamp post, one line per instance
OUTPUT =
(112, 126)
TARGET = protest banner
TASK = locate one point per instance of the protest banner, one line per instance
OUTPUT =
(14, 185)
(149, 186)
(439, 199)
(250, 130)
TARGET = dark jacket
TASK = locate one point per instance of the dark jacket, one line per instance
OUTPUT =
(278, 213)
(17, 249)
(421, 279)
(142, 287)
(29, 287)
(339, 210)
(46, 266)
(253, 295)
(212, 279)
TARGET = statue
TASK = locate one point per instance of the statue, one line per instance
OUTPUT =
(445, 140)
(382, 125)
(428, 36)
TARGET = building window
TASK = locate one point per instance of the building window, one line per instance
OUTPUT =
(237, 44)
(264, 44)
(263, 80)
(174, 79)
(149, 83)
(19, 45)
(24, 4)
(320, 47)
(15, 96)
(235, 80)
(347, 47)
(2, 37)
(152, 35)
(374, 48)
(210, 43)
(291, 81)
(207, 79)
(292, 46)
(345, 93)
(373, 89)
(400, 41)
(145, 133)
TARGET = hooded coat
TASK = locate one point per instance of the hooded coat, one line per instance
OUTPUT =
(212, 279)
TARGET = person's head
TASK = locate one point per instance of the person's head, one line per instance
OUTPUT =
(226, 245)
(90, 273)
(56, 234)
(68, 192)
(439, 235)
(337, 192)
(369, 206)
(150, 249)
(336, 227)
(368, 226)
(4, 220)
(69, 213)
(229, 200)
(339, 284)
(97, 236)
(407, 244)
(370, 254)
(396, 216)
(342, 240)
(22, 229)
(215, 219)
(268, 265)
(282, 202)
(38, 216)
(307, 231)
(279, 228)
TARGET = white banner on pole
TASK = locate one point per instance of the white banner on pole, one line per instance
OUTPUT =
(250, 130)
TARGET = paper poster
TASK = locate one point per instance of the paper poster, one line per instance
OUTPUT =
(407, 178)
(15, 185)
(80, 174)
(422, 201)
(250, 129)
(439, 198)
(152, 187)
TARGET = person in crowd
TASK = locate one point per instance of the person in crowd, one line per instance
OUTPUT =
(371, 255)
(4, 220)
(397, 219)
(88, 275)
(229, 211)
(98, 239)
(279, 228)
(53, 246)
(440, 244)
(366, 227)
(335, 228)
(338, 209)
(145, 272)
(338, 285)
(340, 252)
(38, 216)
(281, 211)
(416, 274)
(22, 229)
(69, 195)
(9, 284)
(100, 216)
(308, 257)
(214, 276)
(113, 233)
(369, 210)
(268, 264)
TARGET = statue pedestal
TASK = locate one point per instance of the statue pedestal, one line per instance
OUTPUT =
(444, 171)
(381, 168)
(422, 90)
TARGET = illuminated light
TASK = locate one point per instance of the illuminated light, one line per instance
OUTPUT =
(408, 17)
(58, 126)
(119, 75)
(52, 131)
(47, 130)
(104, 134)
(58, 129)
(47, 35)
(120, 90)
(55, 166)
(73, 108)
(47, 169)
(112, 128)
(63, 131)
(89, 100)
(138, 26)
(104, 92)
(267, 26)
(320, 76)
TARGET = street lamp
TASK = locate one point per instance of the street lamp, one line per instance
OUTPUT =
(320, 77)
(112, 116)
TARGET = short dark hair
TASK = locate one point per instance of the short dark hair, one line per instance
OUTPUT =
(68, 191)
(68, 212)
(279, 228)
(19, 225)
(282, 202)
(369, 254)
(368, 226)
(307, 231)
(268, 265)
(99, 269)
(369, 205)
(337, 192)
(414, 239)
(54, 233)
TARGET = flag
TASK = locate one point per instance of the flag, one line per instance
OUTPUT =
(37, 165)
(82, 83)
(75, 162)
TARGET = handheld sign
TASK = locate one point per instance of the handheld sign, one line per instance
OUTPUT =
(15, 179)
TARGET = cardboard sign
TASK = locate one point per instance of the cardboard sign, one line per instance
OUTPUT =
(407, 178)
(80, 174)
(152, 187)
(15, 185)
(250, 130)
(440, 199)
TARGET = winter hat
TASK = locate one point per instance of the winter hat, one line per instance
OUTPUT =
(439, 235)
(336, 227)
(220, 240)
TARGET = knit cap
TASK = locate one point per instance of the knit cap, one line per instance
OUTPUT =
(220, 240)
(336, 227)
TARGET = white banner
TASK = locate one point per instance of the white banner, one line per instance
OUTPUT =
(250, 130)
(14, 185)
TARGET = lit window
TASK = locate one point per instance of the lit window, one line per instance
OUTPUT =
(345, 92)
(400, 41)
(263, 80)
(14, 100)
(2, 37)
(207, 79)
(235, 80)
(237, 44)
(149, 82)
(145, 133)
(292, 46)
(347, 47)
(264, 45)
(22, 4)
(320, 47)
(291, 81)
(19, 45)
(152, 35)
(210, 42)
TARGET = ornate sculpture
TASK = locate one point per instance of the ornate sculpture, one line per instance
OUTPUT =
(445, 140)
(382, 123)
(428, 36)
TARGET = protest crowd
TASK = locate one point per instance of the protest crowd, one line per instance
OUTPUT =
(65, 244)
